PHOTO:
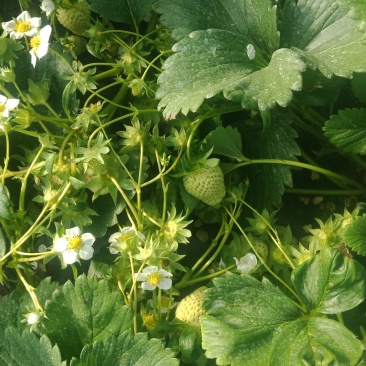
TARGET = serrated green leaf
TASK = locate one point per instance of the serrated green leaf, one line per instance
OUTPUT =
(9, 307)
(122, 11)
(5, 203)
(358, 83)
(329, 38)
(267, 181)
(226, 141)
(126, 349)
(254, 19)
(26, 349)
(330, 283)
(83, 313)
(243, 317)
(347, 130)
(270, 85)
(317, 341)
(354, 235)
(251, 323)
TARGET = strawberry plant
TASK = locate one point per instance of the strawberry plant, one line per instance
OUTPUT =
(182, 182)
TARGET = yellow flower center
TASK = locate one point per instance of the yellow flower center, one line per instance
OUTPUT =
(22, 26)
(2, 108)
(35, 42)
(154, 279)
(170, 229)
(75, 243)
(126, 236)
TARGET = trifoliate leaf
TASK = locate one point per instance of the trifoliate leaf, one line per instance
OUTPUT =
(126, 349)
(330, 283)
(186, 16)
(347, 130)
(314, 342)
(122, 11)
(8, 49)
(226, 141)
(251, 323)
(328, 37)
(267, 181)
(25, 349)
(354, 235)
(242, 310)
(83, 313)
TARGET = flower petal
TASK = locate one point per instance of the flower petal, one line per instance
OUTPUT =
(8, 26)
(142, 277)
(69, 256)
(60, 245)
(165, 284)
(147, 286)
(12, 103)
(75, 231)
(114, 237)
(165, 273)
(151, 269)
(88, 239)
(86, 252)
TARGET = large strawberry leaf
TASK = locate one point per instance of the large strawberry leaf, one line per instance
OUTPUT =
(126, 349)
(267, 181)
(347, 130)
(330, 283)
(84, 312)
(329, 39)
(26, 349)
(250, 323)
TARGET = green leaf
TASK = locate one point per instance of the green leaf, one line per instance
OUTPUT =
(347, 130)
(354, 235)
(83, 313)
(226, 141)
(243, 317)
(126, 349)
(267, 181)
(122, 11)
(328, 37)
(9, 308)
(270, 85)
(317, 341)
(2, 244)
(27, 349)
(330, 283)
(186, 16)
(358, 83)
(251, 323)
(6, 209)
(357, 8)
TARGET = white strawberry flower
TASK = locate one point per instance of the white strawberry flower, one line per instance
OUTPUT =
(48, 6)
(246, 263)
(39, 44)
(74, 245)
(152, 277)
(23, 25)
(7, 105)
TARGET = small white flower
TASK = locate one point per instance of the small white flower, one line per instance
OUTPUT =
(152, 278)
(120, 241)
(74, 245)
(23, 25)
(33, 318)
(6, 105)
(246, 263)
(250, 51)
(48, 6)
(39, 44)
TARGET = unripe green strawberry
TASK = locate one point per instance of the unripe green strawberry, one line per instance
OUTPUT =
(206, 184)
(76, 18)
(261, 248)
(190, 308)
